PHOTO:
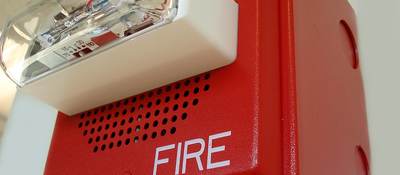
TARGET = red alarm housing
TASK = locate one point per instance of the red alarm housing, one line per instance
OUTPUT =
(292, 103)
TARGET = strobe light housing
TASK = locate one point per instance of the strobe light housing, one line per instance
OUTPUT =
(51, 35)
(78, 54)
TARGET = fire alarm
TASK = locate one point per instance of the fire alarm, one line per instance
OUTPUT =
(76, 55)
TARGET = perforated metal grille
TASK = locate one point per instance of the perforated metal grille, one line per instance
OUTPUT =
(142, 118)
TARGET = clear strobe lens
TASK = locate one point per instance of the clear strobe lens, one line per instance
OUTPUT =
(53, 34)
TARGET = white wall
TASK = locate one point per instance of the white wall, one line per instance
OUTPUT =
(379, 27)
(7, 93)
(27, 137)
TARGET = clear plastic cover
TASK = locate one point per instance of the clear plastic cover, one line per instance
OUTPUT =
(53, 34)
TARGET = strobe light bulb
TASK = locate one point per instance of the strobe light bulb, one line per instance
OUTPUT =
(51, 34)
(79, 54)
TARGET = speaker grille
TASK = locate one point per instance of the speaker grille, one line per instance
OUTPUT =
(141, 118)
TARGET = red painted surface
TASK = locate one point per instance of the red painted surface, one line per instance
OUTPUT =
(105, 38)
(330, 97)
(292, 100)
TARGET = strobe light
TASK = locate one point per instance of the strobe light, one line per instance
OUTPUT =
(78, 54)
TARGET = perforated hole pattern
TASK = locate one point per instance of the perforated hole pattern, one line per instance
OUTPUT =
(142, 118)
